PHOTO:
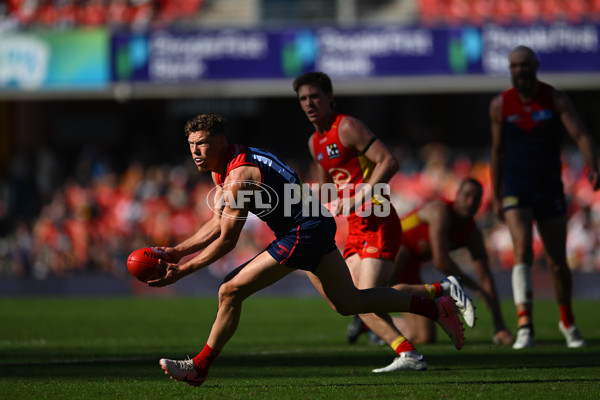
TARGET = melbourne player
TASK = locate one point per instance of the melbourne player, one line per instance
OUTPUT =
(250, 180)
(527, 122)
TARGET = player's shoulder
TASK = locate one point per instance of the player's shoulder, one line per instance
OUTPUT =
(353, 132)
(497, 101)
(433, 210)
(496, 106)
(242, 171)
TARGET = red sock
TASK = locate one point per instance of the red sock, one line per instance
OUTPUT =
(566, 315)
(204, 360)
(402, 345)
(425, 307)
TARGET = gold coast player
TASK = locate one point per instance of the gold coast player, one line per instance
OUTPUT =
(527, 122)
(251, 180)
(430, 233)
(349, 154)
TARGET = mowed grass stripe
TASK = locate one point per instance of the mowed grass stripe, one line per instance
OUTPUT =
(285, 348)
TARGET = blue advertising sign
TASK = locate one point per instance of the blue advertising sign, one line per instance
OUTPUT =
(348, 52)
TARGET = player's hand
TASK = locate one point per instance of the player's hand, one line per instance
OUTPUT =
(344, 207)
(503, 337)
(171, 254)
(173, 273)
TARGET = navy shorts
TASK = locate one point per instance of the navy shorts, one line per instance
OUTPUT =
(304, 246)
(545, 206)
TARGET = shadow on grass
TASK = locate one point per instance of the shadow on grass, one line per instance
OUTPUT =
(468, 365)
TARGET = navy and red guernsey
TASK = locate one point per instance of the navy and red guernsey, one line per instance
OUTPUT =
(281, 198)
(532, 134)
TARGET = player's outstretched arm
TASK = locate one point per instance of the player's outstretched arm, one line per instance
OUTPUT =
(208, 232)
(231, 216)
(487, 286)
(579, 134)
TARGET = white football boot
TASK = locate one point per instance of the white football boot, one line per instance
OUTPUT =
(572, 336)
(182, 370)
(525, 338)
(463, 302)
(407, 360)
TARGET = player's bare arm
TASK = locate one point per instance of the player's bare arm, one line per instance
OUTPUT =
(486, 288)
(438, 217)
(497, 155)
(580, 135)
(356, 135)
(208, 232)
(231, 221)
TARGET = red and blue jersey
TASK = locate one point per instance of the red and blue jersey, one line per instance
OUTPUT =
(532, 134)
(273, 203)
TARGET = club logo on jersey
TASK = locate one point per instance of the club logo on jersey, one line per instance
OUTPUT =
(320, 157)
(340, 176)
(541, 115)
(333, 151)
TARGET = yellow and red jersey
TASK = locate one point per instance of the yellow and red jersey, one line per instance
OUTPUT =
(416, 239)
(346, 166)
(415, 233)
(369, 237)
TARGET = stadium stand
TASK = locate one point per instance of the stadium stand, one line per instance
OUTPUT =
(97, 216)
(138, 14)
(93, 218)
(504, 12)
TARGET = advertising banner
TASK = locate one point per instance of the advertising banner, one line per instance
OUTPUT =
(77, 59)
(348, 52)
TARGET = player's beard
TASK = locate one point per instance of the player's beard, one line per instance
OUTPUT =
(525, 82)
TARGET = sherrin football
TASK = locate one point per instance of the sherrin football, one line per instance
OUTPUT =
(143, 264)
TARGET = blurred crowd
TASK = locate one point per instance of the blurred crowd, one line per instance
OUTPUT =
(90, 222)
(150, 14)
(477, 12)
(134, 14)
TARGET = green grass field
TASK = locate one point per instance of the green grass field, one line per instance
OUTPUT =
(285, 348)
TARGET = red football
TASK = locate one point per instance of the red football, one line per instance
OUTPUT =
(143, 264)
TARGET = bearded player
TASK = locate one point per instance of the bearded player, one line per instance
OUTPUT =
(527, 122)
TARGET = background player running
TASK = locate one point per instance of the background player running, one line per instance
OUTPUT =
(349, 154)
(527, 123)
(430, 233)
(248, 179)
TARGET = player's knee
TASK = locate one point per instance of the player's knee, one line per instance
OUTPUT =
(228, 292)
